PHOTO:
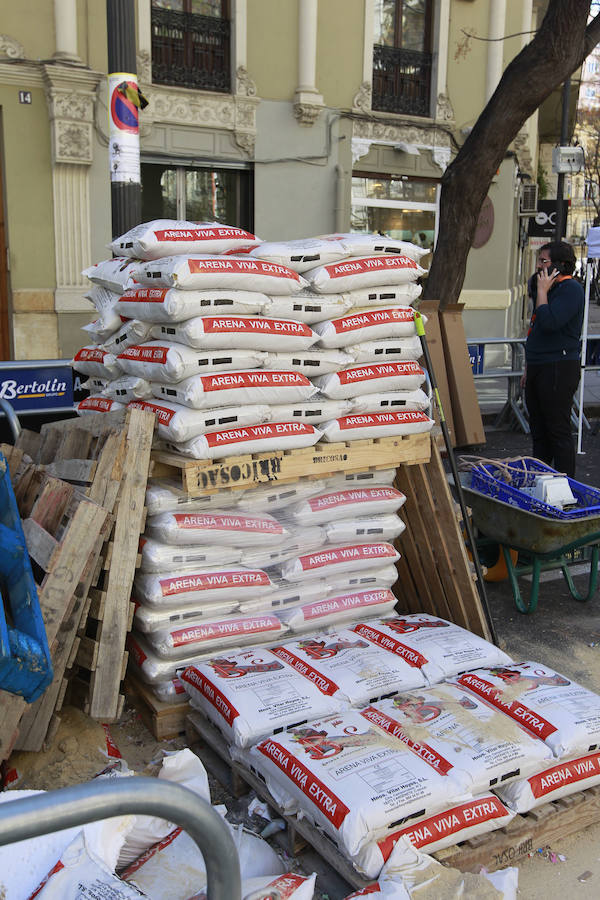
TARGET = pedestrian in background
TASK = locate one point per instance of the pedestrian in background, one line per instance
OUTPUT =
(552, 356)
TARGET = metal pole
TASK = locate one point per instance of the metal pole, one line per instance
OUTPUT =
(83, 803)
(564, 137)
(420, 329)
(126, 192)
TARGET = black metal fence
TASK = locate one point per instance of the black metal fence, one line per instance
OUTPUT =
(401, 81)
(191, 51)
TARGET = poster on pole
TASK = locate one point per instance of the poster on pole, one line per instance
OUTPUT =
(124, 128)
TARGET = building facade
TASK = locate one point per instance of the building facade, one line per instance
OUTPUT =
(289, 117)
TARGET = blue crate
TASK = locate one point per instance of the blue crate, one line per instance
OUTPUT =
(505, 483)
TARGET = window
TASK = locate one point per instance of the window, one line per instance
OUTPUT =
(402, 56)
(191, 44)
(197, 194)
(397, 206)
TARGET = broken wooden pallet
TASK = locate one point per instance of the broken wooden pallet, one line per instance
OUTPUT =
(281, 466)
(63, 532)
(163, 720)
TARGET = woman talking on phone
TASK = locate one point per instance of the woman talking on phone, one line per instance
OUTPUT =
(552, 356)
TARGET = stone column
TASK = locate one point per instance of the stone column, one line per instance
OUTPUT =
(65, 28)
(307, 100)
(496, 29)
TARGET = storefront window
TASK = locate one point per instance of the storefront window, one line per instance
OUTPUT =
(399, 207)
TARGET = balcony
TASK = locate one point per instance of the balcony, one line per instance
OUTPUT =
(190, 51)
(401, 81)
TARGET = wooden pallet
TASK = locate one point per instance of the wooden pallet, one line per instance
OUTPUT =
(434, 572)
(248, 470)
(163, 720)
(64, 535)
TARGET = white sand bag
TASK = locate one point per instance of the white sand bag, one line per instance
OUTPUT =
(302, 254)
(97, 404)
(307, 306)
(551, 707)
(299, 540)
(169, 237)
(395, 349)
(199, 273)
(310, 362)
(370, 271)
(251, 439)
(370, 476)
(167, 362)
(290, 886)
(97, 361)
(229, 529)
(238, 387)
(358, 244)
(366, 379)
(180, 423)
(239, 333)
(347, 667)
(160, 557)
(360, 426)
(272, 496)
(102, 329)
(158, 618)
(115, 274)
(250, 694)
(383, 577)
(365, 528)
(200, 586)
(336, 560)
(171, 305)
(105, 302)
(564, 778)
(167, 495)
(468, 734)
(371, 500)
(216, 633)
(313, 411)
(351, 778)
(389, 295)
(441, 649)
(372, 325)
(169, 691)
(454, 825)
(153, 669)
(96, 385)
(287, 596)
(132, 332)
(126, 388)
(342, 608)
(391, 401)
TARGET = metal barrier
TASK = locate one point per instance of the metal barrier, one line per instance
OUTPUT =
(513, 376)
(83, 803)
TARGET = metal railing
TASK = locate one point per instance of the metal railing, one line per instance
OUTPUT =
(513, 373)
(189, 50)
(401, 80)
(73, 806)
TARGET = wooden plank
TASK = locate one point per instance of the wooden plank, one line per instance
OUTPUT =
(13, 456)
(204, 476)
(50, 440)
(79, 470)
(52, 503)
(29, 442)
(104, 695)
(163, 720)
(107, 478)
(76, 443)
(87, 655)
(41, 546)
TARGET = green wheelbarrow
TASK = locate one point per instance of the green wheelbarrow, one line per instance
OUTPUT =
(542, 543)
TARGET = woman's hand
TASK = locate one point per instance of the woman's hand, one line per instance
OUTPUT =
(545, 280)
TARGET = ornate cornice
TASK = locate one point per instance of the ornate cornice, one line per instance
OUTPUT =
(10, 48)
(70, 95)
(245, 86)
(362, 99)
(368, 131)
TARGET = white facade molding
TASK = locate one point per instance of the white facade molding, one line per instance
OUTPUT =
(439, 74)
(367, 132)
(72, 217)
(10, 48)
(26, 75)
(65, 30)
(495, 53)
(308, 103)
(70, 95)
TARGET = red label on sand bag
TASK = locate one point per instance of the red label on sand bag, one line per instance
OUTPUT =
(226, 381)
(140, 353)
(393, 727)
(99, 404)
(136, 651)
(227, 523)
(372, 420)
(369, 264)
(527, 718)
(451, 822)
(199, 633)
(375, 317)
(325, 685)
(90, 354)
(357, 495)
(257, 433)
(163, 414)
(381, 370)
(325, 800)
(240, 267)
(333, 605)
(566, 773)
(412, 657)
(212, 693)
(208, 581)
(254, 325)
(202, 234)
(346, 554)
(145, 295)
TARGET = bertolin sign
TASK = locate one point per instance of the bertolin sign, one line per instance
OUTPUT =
(40, 388)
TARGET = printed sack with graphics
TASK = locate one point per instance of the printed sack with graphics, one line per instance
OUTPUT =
(371, 500)
(160, 557)
(228, 529)
(251, 439)
(439, 648)
(157, 618)
(249, 695)
(237, 388)
(356, 244)
(374, 324)
(310, 362)
(180, 423)
(114, 275)
(341, 608)
(240, 333)
(210, 633)
(395, 349)
(366, 379)
(371, 271)
(97, 361)
(153, 669)
(390, 295)
(391, 401)
(170, 305)
(307, 306)
(300, 255)
(172, 362)
(339, 560)
(199, 273)
(168, 237)
(97, 405)
(360, 426)
(560, 780)
(200, 586)
(312, 411)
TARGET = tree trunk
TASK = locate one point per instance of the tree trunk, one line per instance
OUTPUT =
(559, 47)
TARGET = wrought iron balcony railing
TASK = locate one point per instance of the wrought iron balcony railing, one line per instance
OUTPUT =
(190, 51)
(401, 81)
